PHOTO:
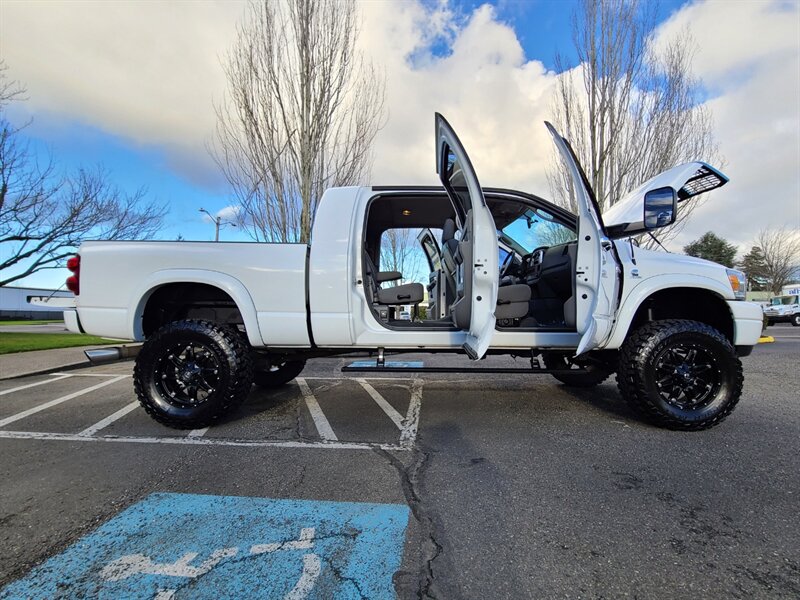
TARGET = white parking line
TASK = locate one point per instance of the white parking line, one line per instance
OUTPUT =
(74, 437)
(109, 419)
(320, 420)
(46, 405)
(408, 434)
(30, 385)
(76, 374)
(395, 416)
(196, 433)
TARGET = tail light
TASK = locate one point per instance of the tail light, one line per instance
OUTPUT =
(74, 280)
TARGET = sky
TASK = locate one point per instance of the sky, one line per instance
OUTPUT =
(132, 85)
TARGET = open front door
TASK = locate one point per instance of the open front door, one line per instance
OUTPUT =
(596, 267)
(477, 281)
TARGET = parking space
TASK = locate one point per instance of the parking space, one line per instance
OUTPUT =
(97, 405)
(441, 486)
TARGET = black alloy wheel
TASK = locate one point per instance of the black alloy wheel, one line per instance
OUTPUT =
(190, 373)
(680, 374)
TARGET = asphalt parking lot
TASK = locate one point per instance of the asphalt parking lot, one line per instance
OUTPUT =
(441, 486)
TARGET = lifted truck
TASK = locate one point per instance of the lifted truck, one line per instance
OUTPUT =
(573, 292)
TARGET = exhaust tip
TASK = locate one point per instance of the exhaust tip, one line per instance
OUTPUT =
(103, 355)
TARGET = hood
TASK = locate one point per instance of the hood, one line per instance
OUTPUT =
(655, 203)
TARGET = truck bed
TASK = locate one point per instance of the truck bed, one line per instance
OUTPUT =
(267, 282)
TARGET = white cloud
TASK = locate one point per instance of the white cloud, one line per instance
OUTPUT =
(749, 56)
(148, 72)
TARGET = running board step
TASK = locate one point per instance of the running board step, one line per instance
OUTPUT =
(418, 367)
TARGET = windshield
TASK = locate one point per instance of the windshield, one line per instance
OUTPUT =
(783, 300)
(533, 229)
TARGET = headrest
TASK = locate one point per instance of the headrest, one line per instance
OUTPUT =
(448, 231)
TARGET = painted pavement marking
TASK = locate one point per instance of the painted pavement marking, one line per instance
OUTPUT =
(407, 425)
(195, 546)
(30, 385)
(198, 433)
(46, 405)
(390, 411)
(102, 424)
(78, 374)
(395, 364)
(320, 420)
(196, 441)
(408, 434)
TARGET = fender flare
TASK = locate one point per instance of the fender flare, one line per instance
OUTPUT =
(633, 299)
(230, 285)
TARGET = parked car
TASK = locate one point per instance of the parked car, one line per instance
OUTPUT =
(574, 294)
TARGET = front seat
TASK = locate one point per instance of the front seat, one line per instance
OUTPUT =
(449, 266)
(407, 293)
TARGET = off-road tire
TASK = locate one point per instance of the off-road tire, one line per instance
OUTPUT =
(796, 320)
(284, 372)
(225, 345)
(637, 383)
(589, 376)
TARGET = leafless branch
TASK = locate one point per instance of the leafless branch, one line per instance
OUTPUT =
(781, 251)
(44, 216)
(630, 112)
(301, 113)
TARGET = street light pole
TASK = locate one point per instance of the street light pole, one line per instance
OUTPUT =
(217, 223)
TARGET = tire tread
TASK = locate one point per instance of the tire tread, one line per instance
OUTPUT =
(233, 344)
(632, 386)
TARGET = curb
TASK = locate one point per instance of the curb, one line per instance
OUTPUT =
(766, 339)
(124, 352)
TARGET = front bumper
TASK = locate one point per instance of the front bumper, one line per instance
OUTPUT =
(748, 322)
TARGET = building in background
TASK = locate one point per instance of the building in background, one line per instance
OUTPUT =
(15, 304)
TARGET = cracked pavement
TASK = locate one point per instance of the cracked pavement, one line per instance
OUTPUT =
(518, 487)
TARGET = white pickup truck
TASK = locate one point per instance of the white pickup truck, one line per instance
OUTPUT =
(510, 274)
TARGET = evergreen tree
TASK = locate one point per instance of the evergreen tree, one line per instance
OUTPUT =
(712, 247)
(755, 269)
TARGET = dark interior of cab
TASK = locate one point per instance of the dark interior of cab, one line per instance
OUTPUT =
(536, 284)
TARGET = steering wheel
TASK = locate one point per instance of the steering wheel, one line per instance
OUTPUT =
(506, 266)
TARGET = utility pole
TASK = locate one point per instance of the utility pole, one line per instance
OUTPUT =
(218, 222)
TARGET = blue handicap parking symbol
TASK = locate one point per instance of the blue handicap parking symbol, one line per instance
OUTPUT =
(172, 546)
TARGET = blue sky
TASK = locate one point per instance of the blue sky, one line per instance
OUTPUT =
(80, 121)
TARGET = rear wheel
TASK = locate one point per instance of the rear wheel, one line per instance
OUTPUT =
(588, 375)
(681, 374)
(190, 373)
(279, 373)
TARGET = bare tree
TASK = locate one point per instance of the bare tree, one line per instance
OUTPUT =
(781, 251)
(628, 110)
(44, 216)
(401, 252)
(301, 113)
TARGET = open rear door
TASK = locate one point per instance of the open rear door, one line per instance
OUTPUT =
(596, 267)
(473, 310)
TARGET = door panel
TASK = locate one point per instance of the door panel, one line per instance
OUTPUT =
(474, 309)
(596, 267)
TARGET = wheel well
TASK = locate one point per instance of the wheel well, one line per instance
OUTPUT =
(177, 301)
(686, 303)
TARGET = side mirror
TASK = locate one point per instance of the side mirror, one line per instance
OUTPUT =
(660, 207)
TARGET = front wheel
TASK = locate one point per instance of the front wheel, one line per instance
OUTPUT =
(681, 374)
(796, 320)
(190, 373)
